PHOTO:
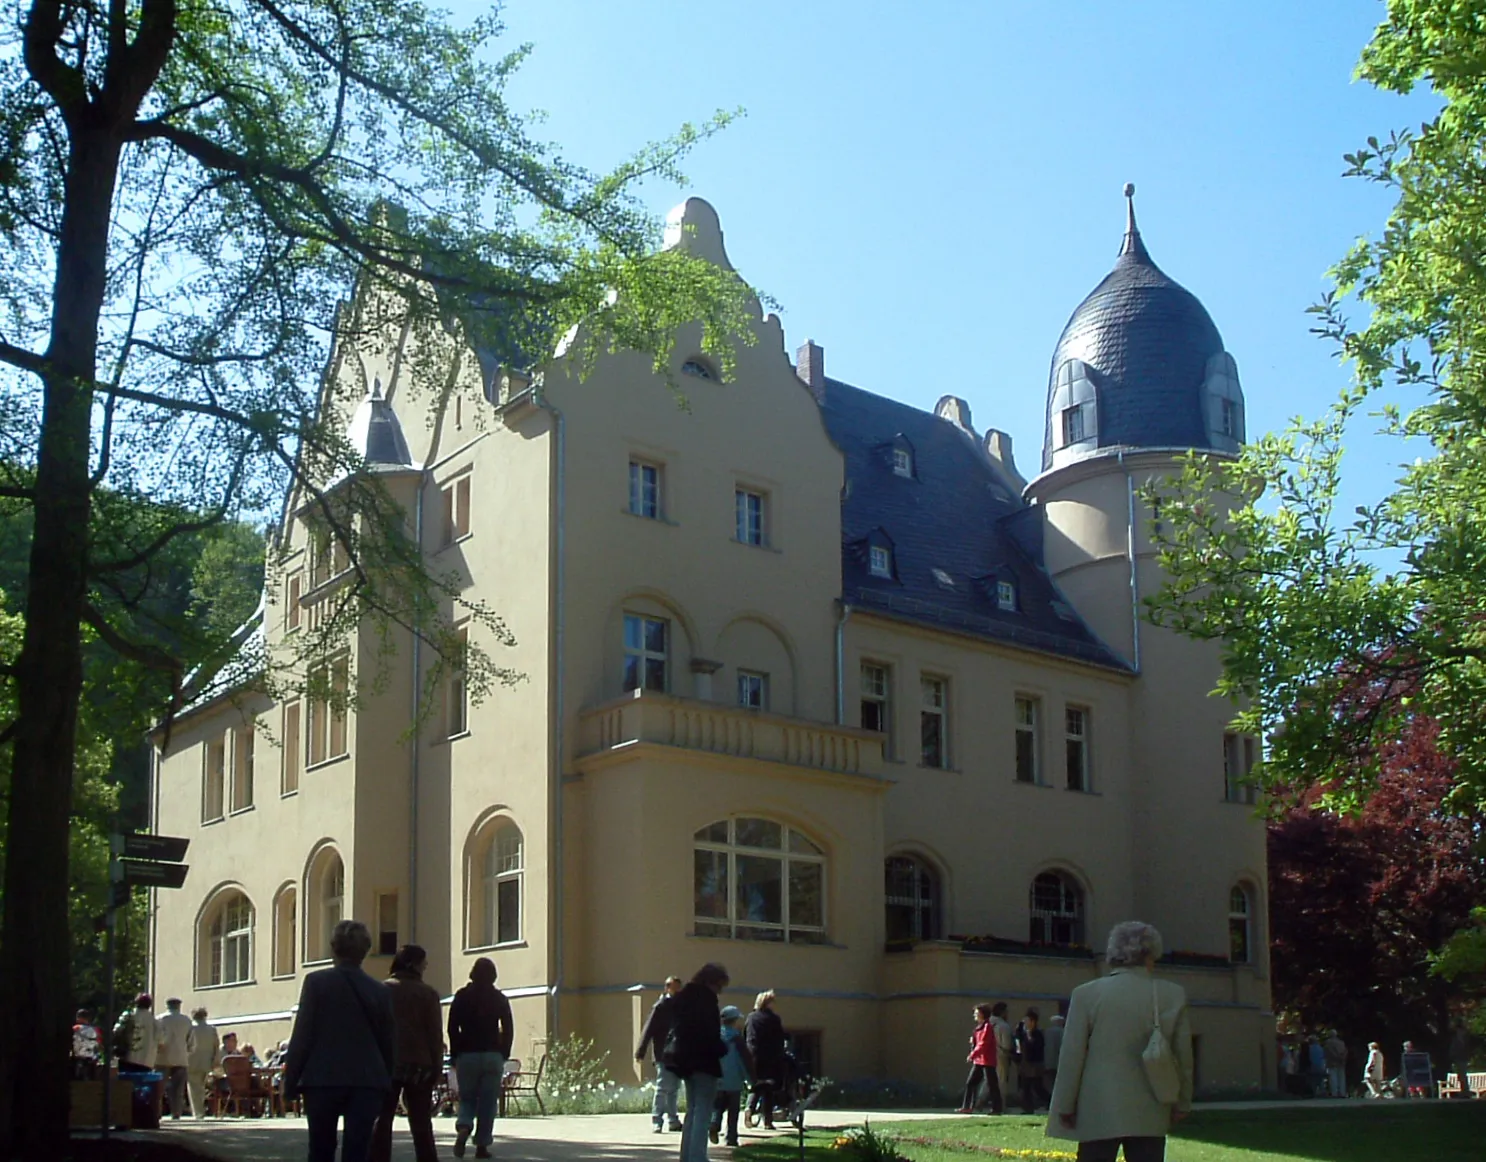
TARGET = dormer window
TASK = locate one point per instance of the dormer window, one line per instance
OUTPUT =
(902, 462)
(1073, 425)
(880, 561)
(1006, 596)
(1228, 418)
(1224, 406)
(699, 368)
(1075, 405)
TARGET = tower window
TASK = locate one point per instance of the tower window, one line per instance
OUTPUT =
(1073, 424)
(1228, 418)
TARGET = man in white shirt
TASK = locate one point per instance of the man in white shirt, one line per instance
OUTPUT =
(173, 1035)
(201, 1059)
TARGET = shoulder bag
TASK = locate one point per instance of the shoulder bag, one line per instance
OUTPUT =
(1159, 1060)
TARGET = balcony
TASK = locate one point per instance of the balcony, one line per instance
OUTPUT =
(644, 718)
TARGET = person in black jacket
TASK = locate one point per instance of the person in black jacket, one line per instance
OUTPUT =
(480, 1036)
(667, 1084)
(764, 1032)
(1029, 1047)
(694, 1050)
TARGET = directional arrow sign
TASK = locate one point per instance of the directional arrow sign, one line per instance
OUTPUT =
(168, 848)
(154, 875)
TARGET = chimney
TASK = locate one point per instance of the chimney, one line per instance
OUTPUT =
(998, 448)
(810, 366)
(957, 412)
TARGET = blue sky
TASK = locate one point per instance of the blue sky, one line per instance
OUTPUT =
(930, 189)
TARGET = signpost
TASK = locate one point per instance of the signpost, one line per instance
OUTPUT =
(151, 861)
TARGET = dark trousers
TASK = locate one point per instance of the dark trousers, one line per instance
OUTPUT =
(1136, 1149)
(1033, 1096)
(727, 1102)
(326, 1105)
(982, 1077)
(418, 1100)
(764, 1097)
(175, 1079)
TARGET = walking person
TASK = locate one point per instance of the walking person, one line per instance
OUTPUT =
(173, 1032)
(343, 1049)
(1334, 1050)
(1052, 1044)
(1315, 1060)
(420, 1056)
(982, 1059)
(737, 1068)
(481, 1032)
(139, 1035)
(1375, 1072)
(1001, 1030)
(87, 1046)
(1030, 1046)
(696, 1054)
(764, 1032)
(201, 1058)
(1103, 1098)
(663, 1106)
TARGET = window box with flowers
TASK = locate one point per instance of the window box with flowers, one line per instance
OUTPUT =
(1011, 947)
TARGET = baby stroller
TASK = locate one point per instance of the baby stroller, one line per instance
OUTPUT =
(770, 1095)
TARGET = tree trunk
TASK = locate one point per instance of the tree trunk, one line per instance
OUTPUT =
(35, 1042)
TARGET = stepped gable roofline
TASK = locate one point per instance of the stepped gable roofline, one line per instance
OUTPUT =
(950, 525)
(1136, 352)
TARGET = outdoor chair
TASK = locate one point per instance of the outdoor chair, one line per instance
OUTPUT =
(239, 1097)
(518, 1083)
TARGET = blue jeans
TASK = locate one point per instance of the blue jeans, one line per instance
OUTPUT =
(701, 1092)
(667, 1093)
(479, 1092)
(326, 1105)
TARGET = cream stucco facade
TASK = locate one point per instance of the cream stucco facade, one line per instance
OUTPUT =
(594, 838)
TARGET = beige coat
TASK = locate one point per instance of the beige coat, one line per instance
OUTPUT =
(1100, 1076)
(173, 1035)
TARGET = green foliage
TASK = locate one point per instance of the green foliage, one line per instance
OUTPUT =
(1338, 630)
(575, 1064)
(869, 1145)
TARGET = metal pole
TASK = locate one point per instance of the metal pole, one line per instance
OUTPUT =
(115, 876)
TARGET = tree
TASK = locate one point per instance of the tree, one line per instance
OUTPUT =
(188, 191)
(1338, 632)
(1362, 904)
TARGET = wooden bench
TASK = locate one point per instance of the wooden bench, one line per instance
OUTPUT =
(1450, 1087)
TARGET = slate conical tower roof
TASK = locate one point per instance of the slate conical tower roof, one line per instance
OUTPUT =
(376, 433)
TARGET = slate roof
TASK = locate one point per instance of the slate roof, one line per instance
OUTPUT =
(1148, 340)
(954, 529)
(376, 433)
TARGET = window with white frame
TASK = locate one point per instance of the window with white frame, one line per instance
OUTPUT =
(330, 690)
(1240, 922)
(497, 866)
(1006, 596)
(912, 897)
(1073, 424)
(325, 903)
(1076, 747)
(902, 462)
(226, 941)
(284, 915)
(646, 644)
(455, 497)
(243, 739)
(1057, 908)
(214, 779)
(1238, 761)
(1028, 714)
(749, 506)
(933, 721)
(880, 561)
(1228, 418)
(877, 690)
(753, 690)
(293, 756)
(456, 688)
(293, 591)
(756, 879)
(645, 489)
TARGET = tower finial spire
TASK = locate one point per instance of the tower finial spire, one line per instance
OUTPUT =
(1132, 244)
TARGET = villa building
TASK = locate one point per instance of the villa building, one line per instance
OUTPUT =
(814, 684)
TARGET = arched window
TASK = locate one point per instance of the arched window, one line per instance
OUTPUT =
(284, 917)
(1240, 925)
(755, 879)
(325, 898)
(1057, 909)
(912, 891)
(225, 941)
(496, 869)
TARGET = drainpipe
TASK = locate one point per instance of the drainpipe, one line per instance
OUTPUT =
(841, 664)
(416, 742)
(1130, 551)
(556, 746)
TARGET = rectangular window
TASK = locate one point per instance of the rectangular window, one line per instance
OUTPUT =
(1073, 424)
(508, 910)
(293, 755)
(753, 690)
(1238, 761)
(932, 722)
(1228, 423)
(645, 652)
(214, 780)
(1076, 742)
(876, 701)
(880, 561)
(387, 924)
(293, 590)
(320, 553)
(1006, 596)
(902, 462)
(1028, 711)
(340, 674)
(456, 502)
(242, 768)
(456, 697)
(750, 514)
(644, 489)
(327, 720)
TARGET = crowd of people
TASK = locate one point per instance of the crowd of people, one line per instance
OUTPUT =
(1006, 1062)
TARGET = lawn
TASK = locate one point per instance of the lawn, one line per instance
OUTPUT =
(1377, 1132)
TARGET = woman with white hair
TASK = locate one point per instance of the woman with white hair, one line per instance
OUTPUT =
(1103, 1098)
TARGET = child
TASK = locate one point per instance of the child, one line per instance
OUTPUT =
(737, 1068)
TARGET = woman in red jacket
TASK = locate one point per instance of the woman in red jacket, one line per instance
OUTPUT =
(982, 1060)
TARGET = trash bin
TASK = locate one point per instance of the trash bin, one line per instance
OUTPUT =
(149, 1096)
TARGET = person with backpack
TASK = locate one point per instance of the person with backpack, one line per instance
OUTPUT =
(737, 1068)
(663, 1107)
(694, 1052)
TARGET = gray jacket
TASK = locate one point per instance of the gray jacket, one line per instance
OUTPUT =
(344, 1032)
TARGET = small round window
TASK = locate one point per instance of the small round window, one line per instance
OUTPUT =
(698, 367)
